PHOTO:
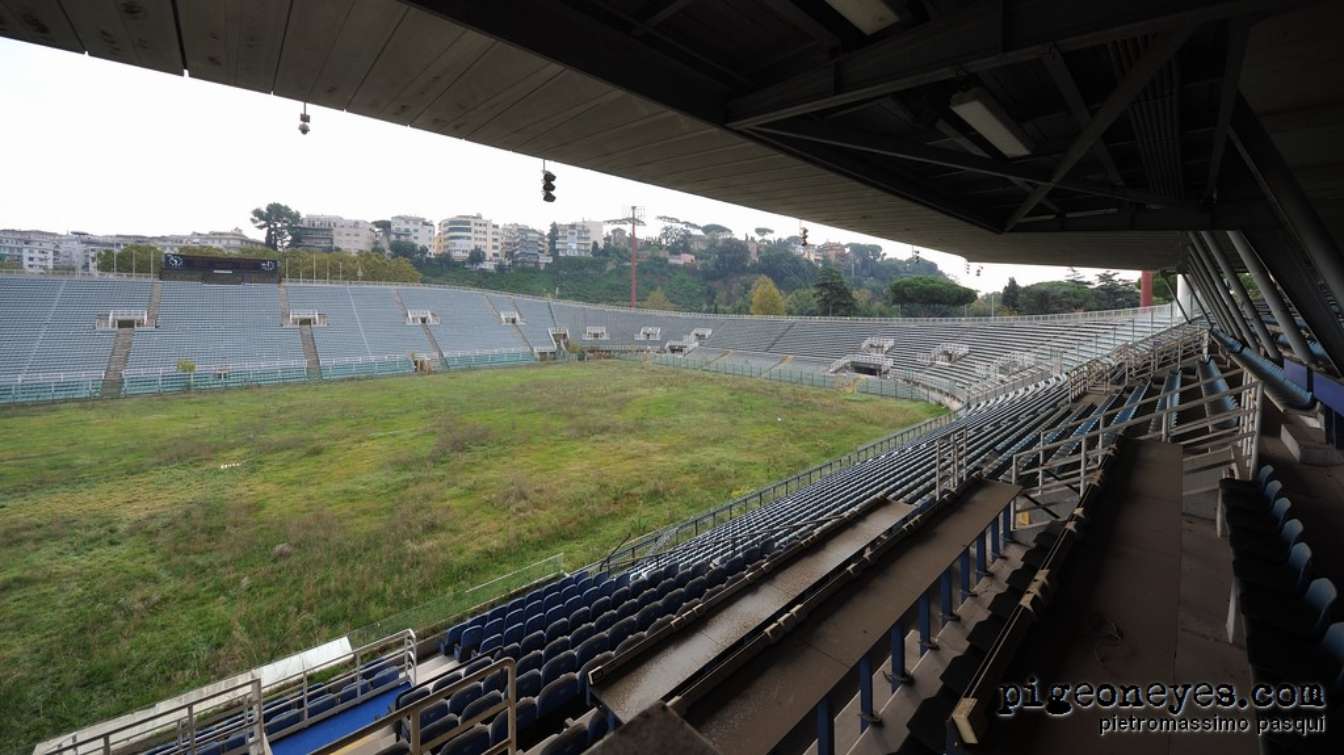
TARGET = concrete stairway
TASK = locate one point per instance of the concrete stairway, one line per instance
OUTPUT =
(429, 335)
(284, 303)
(116, 362)
(155, 296)
(310, 352)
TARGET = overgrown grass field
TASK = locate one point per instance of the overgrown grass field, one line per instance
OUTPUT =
(137, 536)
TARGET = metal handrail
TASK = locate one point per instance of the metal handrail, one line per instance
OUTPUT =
(105, 744)
(413, 711)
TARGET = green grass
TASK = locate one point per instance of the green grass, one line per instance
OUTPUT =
(134, 564)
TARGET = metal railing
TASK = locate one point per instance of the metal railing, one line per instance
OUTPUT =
(1082, 453)
(668, 537)
(181, 723)
(411, 715)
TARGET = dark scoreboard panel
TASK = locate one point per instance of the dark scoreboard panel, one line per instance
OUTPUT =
(220, 269)
(187, 263)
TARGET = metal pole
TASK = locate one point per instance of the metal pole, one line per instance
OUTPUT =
(1270, 292)
(1239, 292)
(1281, 188)
(1220, 292)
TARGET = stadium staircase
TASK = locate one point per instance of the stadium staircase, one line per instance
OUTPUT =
(116, 361)
(284, 303)
(314, 362)
(155, 297)
(516, 327)
(778, 338)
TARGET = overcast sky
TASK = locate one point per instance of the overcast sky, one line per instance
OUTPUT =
(107, 148)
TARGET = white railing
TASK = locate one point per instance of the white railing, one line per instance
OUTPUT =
(51, 377)
(214, 369)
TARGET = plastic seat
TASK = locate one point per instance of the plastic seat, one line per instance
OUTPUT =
(474, 741)
(580, 633)
(556, 695)
(529, 684)
(1290, 577)
(564, 663)
(588, 649)
(450, 678)
(471, 639)
(531, 661)
(556, 629)
(556, 648)
(534, 641)
(582, 615)
(535, 623)
(464, 697)
(597, 660)
(481, 704)
(571, 741)
(514, 633)
(1304, 618)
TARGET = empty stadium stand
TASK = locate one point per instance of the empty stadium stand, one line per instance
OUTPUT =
(253, 333)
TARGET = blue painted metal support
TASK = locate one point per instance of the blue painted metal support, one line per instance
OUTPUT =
(981, 562)
(898, 675)
(945, 595)
(964, 566)
(925, 625)
(865, 693)
(612, 721)
(1007, 525)
(825, 728)
(994, 539)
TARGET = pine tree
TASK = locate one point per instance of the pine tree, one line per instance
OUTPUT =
(1012, 295)
(833, 295)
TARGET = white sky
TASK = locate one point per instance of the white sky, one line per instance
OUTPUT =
(107, 148)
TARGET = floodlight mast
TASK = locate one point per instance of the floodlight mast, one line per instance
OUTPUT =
(635, 219)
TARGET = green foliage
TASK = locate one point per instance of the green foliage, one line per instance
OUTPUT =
(928, 296)
(552, 239)
(306, 264)
(765, 298)
(123, 530)
(407, 250)
(476, 256)
(278, 220)
(133, 258)
(833, 295)
(801, 303)
(186, 365)
(1012, 295)
(789, 271)
(1054, 297)
(657, 299)
(1111, 293)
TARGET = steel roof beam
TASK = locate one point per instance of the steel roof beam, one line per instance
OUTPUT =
(917, 152)
(1163, 49)
(987, 35)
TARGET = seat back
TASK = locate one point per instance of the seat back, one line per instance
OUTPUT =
(1321, 597)
(1291, 532)
(1279, 511)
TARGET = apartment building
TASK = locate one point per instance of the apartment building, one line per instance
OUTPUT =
(460, 234)
(524, 246)
(412, 228)
(333, 232)
(576, 239)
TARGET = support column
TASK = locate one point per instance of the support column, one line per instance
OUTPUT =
(1224, 297)
(1183, 298)
(1280, 186)
(1146, 288)
(1209, 293)
(1280, 254)
(1270, 292)
(1256, 322)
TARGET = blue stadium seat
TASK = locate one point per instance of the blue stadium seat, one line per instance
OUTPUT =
(531, 661)
(529, 683)
(590, 648)
(1305, 617)
(581, 615)
(534, 641)
(564, 663)
(556, 629)
(622, 629)
(321, 704)
(605, 621)
(573, 604)
(1291, 577)
(481, 704)
(471, 639)
(557, 647)
(411, 695)
(556, 695)
(620, 596)
(600, 606)
(476, 665)
(514, 651)
(514, 633)
(474, 741)
(552, 600)
(630, 642)
(464, 697)
(592, 663)
(535, 623)
(515, 616)
(280, 723)
(353, 690)
(696, 587)
(673, 600)
(571, 741)
(437, 729)
(580, 633)
(597, 726)
(495, 682)
(647, 615)
(491, 644)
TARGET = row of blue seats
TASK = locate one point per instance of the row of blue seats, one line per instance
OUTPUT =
(1294, 632)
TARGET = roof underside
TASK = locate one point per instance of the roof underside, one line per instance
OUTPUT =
(787, 106)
